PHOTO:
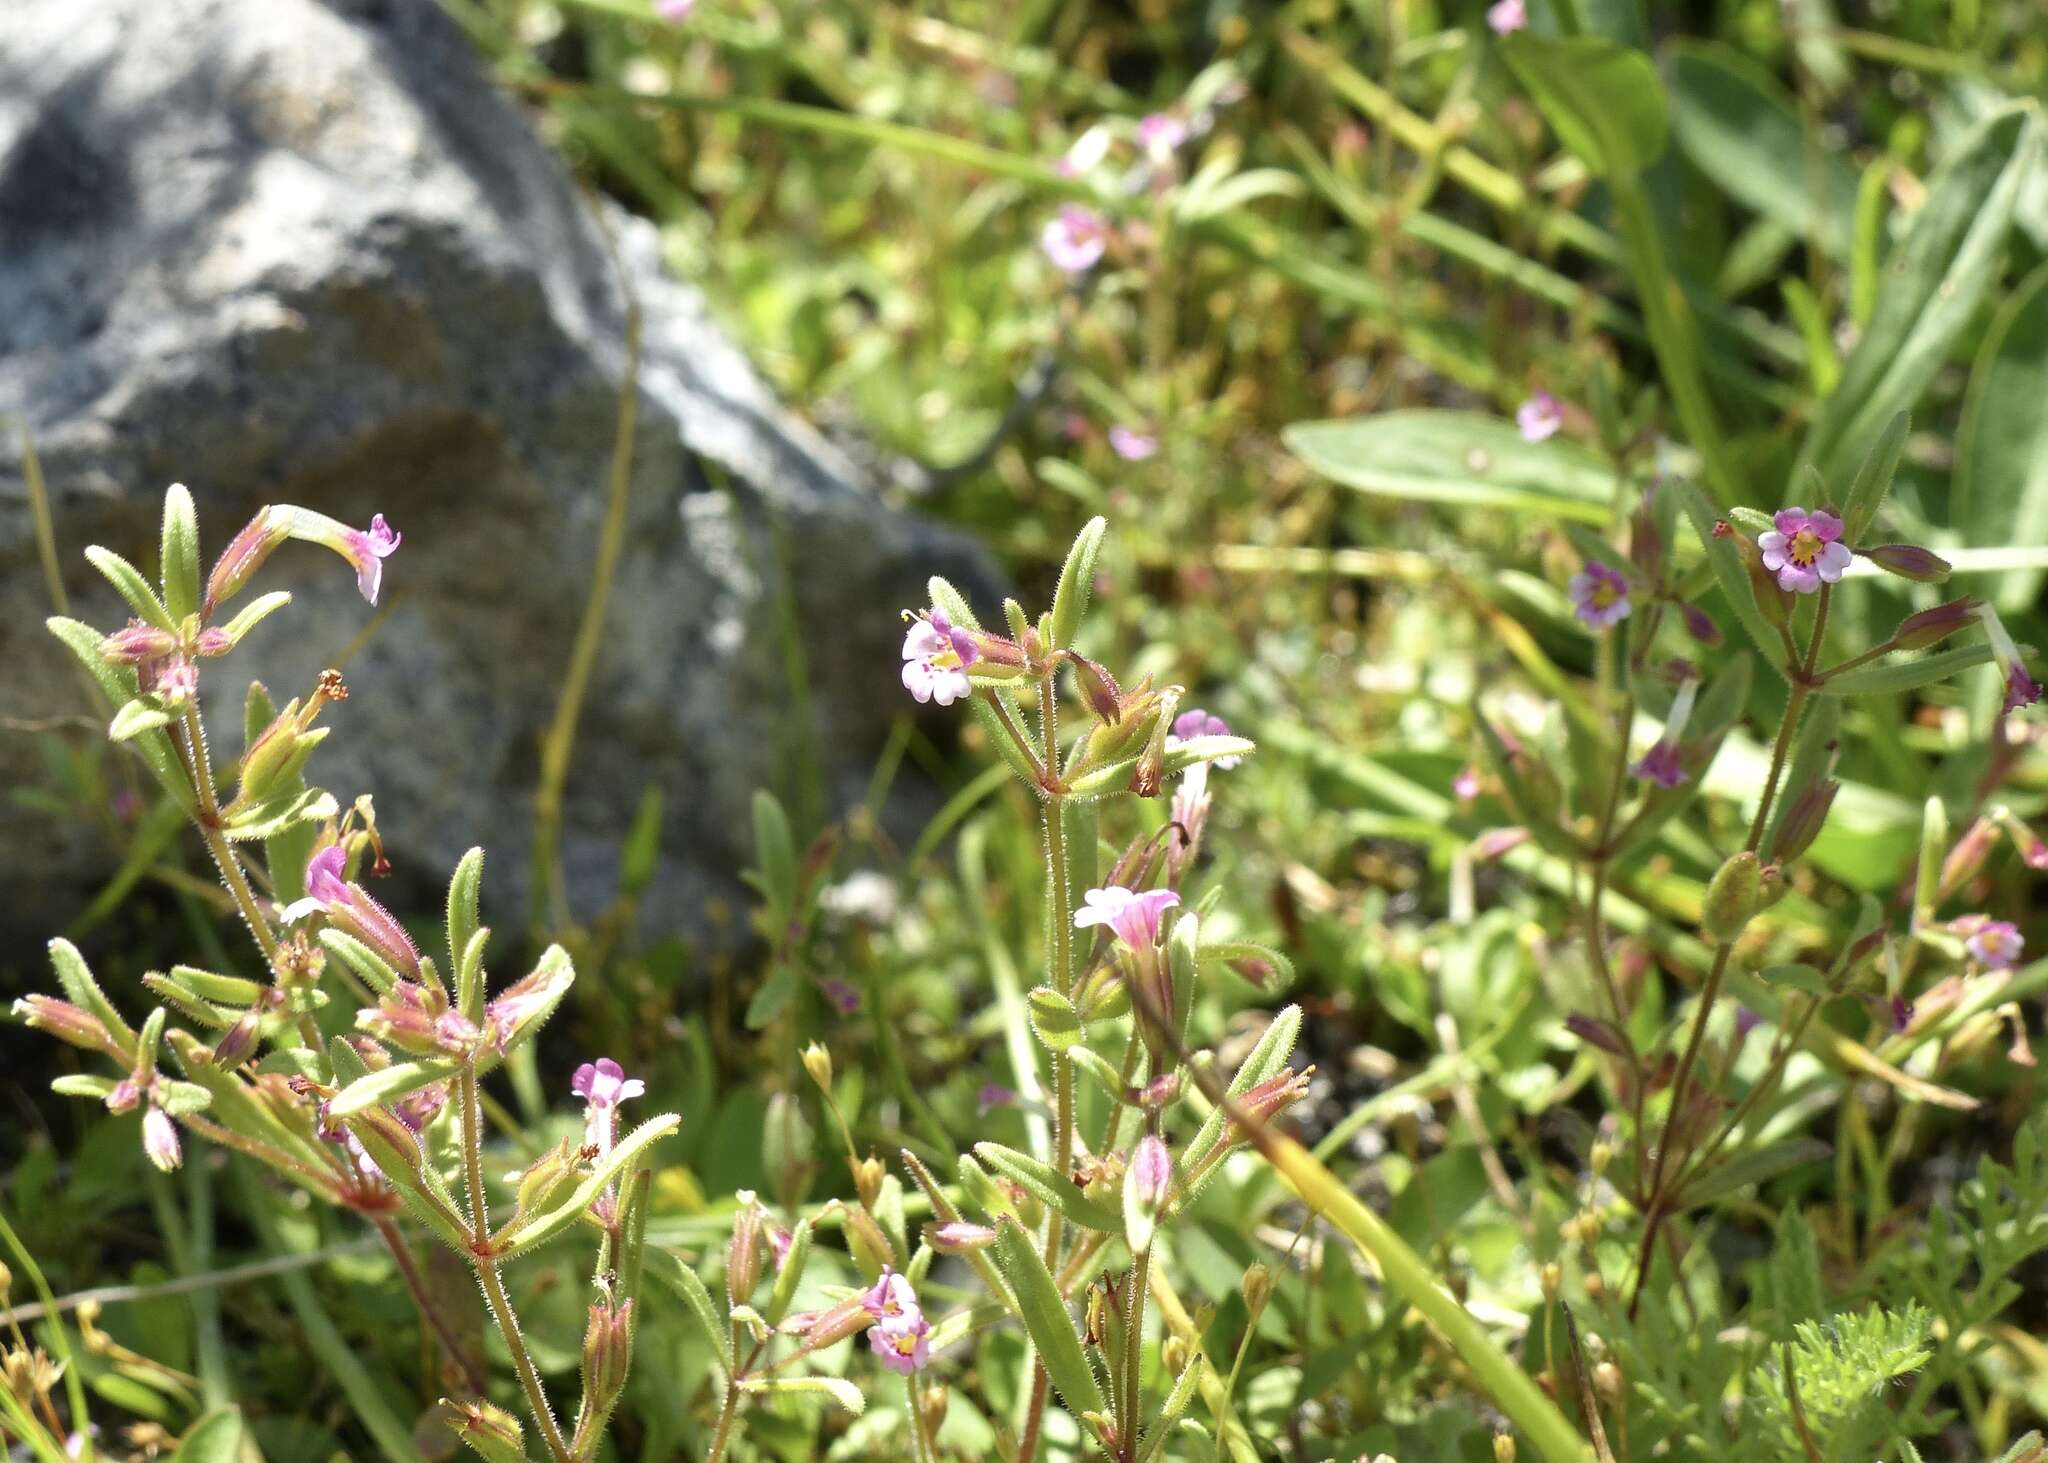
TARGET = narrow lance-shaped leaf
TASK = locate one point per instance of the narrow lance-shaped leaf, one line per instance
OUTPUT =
(1046, 1319)
(180, 552)
(1050, 1186)
(547, 1226)
(1077, 580)
(2001, 481)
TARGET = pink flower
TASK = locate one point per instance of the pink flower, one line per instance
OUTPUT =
(992, 1096)
(1195, 722)
(1074, 239)
(1132, 445)
(1508, 16)
(603, 1085)
(1086, 154)
(1804, 549)
(935, 660)
(902, 1342)
(1151, 1170)
(1465, 786)
(1161, 134)
(1599, 595)
(1542, 415)
(890, 1296)
(675, 12)
(349, 908)
(1996, 944)
(1131, 915)
(366, 549)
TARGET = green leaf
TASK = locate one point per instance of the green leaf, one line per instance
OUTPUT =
(1227, 955)
(1798, 977)
(215, 1438)
(143, 714)
(1054, 1018)
(1050, 1186)
(1736, 124)
(774, 874)
(791, 1273)
(126, 578)
(254, 613)
(1196, 750)
(81, 990)
(1275, 1045)
(465, 894)
(1464, 459)
(390, 1084)
(1754, 1167)
(2001, 480)
(945, 597)
(671, 1270)
(283, 810)
(546, 1226)
(375, 970)
(1907, 675)
(1604, 100)
(1077, 579)
(1810, 754)
(1873, 480)
(774, 994)
(838, 1389)
(1933, 284)
(180, 558)
(1730, 575)
(82, 1084)
(1046, 1319)
(119, 685)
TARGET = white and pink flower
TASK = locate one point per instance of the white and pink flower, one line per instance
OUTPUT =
(1132, 916)
(936, 655)
(1805, 550)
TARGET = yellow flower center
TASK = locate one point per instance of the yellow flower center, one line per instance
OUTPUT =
(1604, 594)
(1806, 546)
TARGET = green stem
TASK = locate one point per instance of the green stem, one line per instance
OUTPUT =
(60, 1338)
(487, 1269)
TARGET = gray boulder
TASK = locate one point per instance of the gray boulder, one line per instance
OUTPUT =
(287, 250)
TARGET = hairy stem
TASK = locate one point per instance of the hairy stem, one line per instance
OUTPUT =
(487, 1270)
(444, 1330)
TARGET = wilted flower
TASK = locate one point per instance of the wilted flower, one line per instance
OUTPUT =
(935, 659)
(1542, 415)
(1508, 16)
(2021, 689)
(1599, 595)
(1074, 239)
(1805, 550)
(1132, 445)
(1661, 764)
(1132, 916)
(1995, 944)
(365, 548)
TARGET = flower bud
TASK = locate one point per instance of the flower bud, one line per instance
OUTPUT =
(237, 1043)
(243, 556)
(1552, 1279)
(160, 1139)
(1732, 898)
(868, 1174)
(1699, 624)
(958, 1236)
(871, 1248)
(1173, 1355)
(1804, 818)
(931, 1406)
(2029, 843)
(1098, 687)
(1497, 843)
(278, 752)
(1909, 561)
(1503, 1448)
(66, 1022)
(491, 1432)
(1607, 1382)
(1966, 859)
(1256, 1286)
(137, 643)
(547, 1181)
(818, 1062)
(1600, 1156)
(607, 1353)
(1595, 1032)
(1931, 627)
(743, 1254)
(1146, 1182)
